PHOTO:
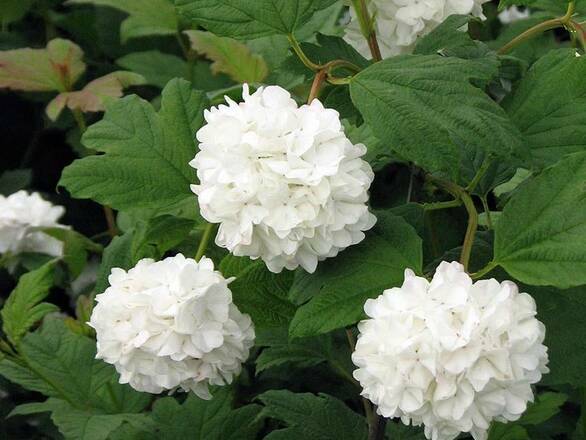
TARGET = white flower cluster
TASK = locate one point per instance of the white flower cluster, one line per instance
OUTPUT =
(451, 354)
(171, 324)
(283, 181)
(21, 215)
(398, 23)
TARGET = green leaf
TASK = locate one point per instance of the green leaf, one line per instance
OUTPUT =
(94, 96)
(14, 10)
(546, 406)
(12, 181)
(426, 110)
(308, 416)
(145, 164)
(156, 67)
(246, 20)
(500, 431)
(55, 68)
(541, 236)
(341, 285)
(76, 424)
(304, 352)
(549, 106)
(396, 430)
(147, 17)
(562, 312)
(195, 419)
(229, 56)
(75, 248)
(146, 240)
(60, 364)
(259, 292)
(451, 38)
(24, 307)
(243, 423)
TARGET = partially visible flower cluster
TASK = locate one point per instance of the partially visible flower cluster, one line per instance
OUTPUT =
(21, 216)
(451, 354)
(283, 181)
(171, 324)
(513, 14)
(398, 23)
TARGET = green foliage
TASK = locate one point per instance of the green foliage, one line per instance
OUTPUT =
(147, 154)
(309, 416)
(258, 292)
(561, 312)
(549, 106)
(340, 286)
(425, 109)
(540, 237)
(246, 20)
(206, 419)
(229, 56)
(150, 239)
(459, 117)
(146, 17)
(12, 181)
(156, 67)
(545, 407)
(24, 306)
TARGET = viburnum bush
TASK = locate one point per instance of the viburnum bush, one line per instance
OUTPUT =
(293, 219)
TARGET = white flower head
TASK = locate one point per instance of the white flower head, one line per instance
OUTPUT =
(21, 216)
(284, 182)
(170, 325)
(451, 354)
(398, 23)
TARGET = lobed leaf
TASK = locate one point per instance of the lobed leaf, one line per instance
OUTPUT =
(145, 164)
(549, 106)
(425, 108)
(259, 292)
(147, 17)
(229, 56)
(55, 68)
(341, 285)
(93, 97)
(24, 306)
(313, 417)
(540, 238)
(247, 20)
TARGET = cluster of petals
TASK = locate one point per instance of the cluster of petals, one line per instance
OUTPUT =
(283, 181)
(170, 325)
(451, 354)
(22, 216)
(398, 23)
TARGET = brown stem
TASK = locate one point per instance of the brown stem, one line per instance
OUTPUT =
(111, 221)
(316, 86)
(367, 28)
(461, 194)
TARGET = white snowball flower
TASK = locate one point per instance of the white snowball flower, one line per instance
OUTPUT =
(284, 182)
(171, 324)
(21, 214)
(452, 354)
(513, 14)
(398, 23)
